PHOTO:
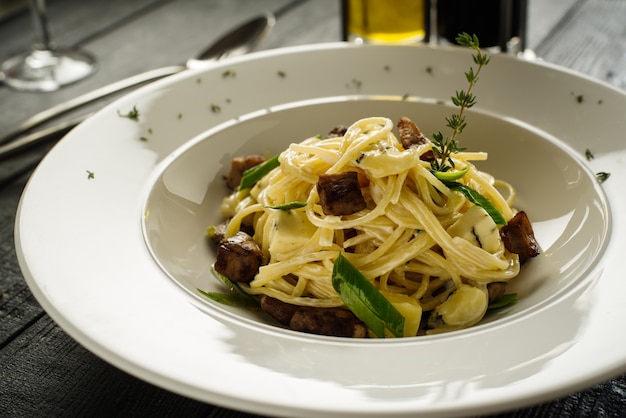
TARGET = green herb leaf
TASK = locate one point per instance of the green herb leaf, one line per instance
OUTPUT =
(479, 200)
(504, 301)
(235, 289)
(230, 299)
(252, 175)
(451, 175)
(288, 206)
(365, 301)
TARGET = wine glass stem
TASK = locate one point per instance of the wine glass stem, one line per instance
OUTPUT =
(40, 21)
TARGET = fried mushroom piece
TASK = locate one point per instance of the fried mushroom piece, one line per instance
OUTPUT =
(409, 133)
(240, 164)
(337, 322)
(340, 194)
(412, 137)
(238, 257)
(339, 130)
(518, 237)
(496, 290)
(279, 310)
(218, 232)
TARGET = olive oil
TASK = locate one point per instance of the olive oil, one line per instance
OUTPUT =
(384, 21)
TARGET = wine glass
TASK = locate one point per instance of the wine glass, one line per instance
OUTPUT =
(45, 67)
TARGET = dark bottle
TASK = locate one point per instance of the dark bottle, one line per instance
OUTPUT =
(497, 23)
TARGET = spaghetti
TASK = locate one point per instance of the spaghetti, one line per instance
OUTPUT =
(417, 240)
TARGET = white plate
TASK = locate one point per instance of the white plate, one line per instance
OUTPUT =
(80, 243)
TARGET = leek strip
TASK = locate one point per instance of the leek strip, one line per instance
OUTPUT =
(479, 200)
(252, 175)
(365, 301)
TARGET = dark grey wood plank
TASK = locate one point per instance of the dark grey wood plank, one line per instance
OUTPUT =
(603, 400)
(69, 22)
(602, 55)
(321, 23)
(543, 16)
(158, 33)
(72, 382)
(18, 307)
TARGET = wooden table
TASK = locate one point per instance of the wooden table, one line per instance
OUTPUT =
(43, 372)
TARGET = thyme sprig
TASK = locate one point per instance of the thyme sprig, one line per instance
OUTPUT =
(132, 114)
(444, 147)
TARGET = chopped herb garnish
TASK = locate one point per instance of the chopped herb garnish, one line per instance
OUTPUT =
(429, 69)
(405, 96)
(215, 108)
(229, 73)
(234, 287)
(504, 301)
(180, 116)
(90, 175)
(288, 206)
(477, 199)
(143, 138)
(211, 231)
(252, 175)
(236, 297)
(464, 99)
(580, 98)
(387, 68)
(281, 74)
(589, 155)
(365, 301)
(602, 176)
(133, 114)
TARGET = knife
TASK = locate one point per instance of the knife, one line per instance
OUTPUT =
(239, 41)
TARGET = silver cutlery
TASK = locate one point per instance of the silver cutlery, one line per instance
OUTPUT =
(238, 41)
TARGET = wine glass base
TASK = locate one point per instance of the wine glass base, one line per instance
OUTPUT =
(42, 70)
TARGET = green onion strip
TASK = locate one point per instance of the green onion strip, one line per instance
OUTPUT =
(365, 301)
